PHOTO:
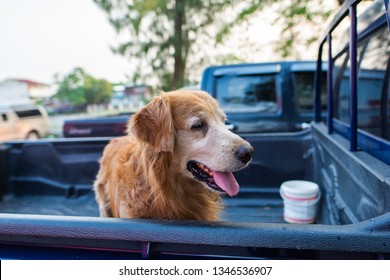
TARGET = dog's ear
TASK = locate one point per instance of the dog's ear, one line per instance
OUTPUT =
(154, 125)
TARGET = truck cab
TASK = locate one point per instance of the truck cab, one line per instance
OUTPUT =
(264, 97)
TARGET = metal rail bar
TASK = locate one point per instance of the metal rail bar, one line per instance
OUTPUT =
(353, 77)
(330, 85)
(317, 92)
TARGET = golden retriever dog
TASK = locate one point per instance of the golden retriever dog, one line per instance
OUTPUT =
(175, 163)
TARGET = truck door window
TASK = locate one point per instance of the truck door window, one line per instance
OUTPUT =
(28, 113)
(4, 117)
(251, 93)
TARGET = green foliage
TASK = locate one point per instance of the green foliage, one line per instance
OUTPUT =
(80, 88)
(228, 59)
(97, 91)
(242, 16)
(293, 17)
(166, 38)
(163, 34)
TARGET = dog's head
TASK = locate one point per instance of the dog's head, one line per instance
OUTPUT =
(191, 126)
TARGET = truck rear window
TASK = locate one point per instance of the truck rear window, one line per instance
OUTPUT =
(304, 87)
(247, 93)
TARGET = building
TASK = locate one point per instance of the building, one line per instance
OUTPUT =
(20, 91)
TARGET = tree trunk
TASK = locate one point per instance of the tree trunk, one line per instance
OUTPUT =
(178, 75)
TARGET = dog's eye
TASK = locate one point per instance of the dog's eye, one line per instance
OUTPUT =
(198, 125)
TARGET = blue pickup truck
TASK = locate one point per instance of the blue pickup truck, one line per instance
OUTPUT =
(262, 97)
(265, 97)
(47, 207)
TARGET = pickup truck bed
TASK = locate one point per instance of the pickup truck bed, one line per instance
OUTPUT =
(60, 215)
(48, 210)
(55, 177)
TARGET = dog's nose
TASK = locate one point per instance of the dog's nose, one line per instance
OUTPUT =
(244, 153)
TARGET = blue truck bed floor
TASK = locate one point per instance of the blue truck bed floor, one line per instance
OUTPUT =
(267, 210)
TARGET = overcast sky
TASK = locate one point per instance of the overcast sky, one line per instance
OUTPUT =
(40, 38)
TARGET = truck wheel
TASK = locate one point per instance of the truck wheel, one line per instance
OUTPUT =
(32, 135)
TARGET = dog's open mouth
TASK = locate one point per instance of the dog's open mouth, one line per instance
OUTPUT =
(223, 182)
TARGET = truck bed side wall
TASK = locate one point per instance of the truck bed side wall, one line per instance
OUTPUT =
(355, 186)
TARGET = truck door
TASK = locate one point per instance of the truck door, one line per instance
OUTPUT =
(7, 130)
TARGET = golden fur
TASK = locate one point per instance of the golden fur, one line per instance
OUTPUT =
(145, 174)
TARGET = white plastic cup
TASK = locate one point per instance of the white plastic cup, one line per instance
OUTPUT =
(300, 201)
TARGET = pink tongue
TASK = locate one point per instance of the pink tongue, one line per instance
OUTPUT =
(227, 182)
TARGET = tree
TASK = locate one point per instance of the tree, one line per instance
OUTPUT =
(163, 34)
(292, 17)
(97, 91)
(71, 88)
(167, 38)
(80, 88)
